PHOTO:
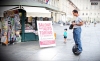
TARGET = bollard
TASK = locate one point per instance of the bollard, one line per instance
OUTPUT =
(55, 35)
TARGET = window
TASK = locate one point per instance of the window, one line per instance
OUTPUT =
(86, 13)
(86, 8)
(90, 14)
(94, 3)
(83, 14)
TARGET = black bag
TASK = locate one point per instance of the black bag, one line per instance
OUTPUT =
(71, 26)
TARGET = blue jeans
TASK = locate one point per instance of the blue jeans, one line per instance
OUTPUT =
(77, 37)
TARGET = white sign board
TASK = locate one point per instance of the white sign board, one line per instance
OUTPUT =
(46, 34)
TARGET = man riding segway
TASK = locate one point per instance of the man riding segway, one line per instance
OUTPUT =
(77, 48)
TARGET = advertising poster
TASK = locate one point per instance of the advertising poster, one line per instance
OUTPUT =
(46, 34)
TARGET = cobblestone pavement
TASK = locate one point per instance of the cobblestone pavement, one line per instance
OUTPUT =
(30, 51)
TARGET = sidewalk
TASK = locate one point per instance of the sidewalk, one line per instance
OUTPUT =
(30, 51)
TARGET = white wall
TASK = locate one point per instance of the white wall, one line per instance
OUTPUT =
(86, 7)
(92, 14)
(83, 4)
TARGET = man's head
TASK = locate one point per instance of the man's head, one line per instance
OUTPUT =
(75, 12)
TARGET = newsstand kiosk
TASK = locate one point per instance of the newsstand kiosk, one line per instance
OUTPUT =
(13, 23)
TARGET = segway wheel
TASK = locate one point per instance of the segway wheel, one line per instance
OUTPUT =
(75, 49)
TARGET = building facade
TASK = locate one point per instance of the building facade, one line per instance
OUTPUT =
(61, 10)
(89, 9)
(64, 12)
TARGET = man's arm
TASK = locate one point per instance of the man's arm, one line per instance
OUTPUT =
(80, 24)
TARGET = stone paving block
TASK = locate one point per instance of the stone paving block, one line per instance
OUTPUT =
(67, 57)
(30, 51)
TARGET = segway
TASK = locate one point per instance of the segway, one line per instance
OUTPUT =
(75, 49)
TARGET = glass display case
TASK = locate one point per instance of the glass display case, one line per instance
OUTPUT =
(30, 29)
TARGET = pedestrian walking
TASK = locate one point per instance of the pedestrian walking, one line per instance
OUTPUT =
(77, 30)
(65, 35)
(95, 23)
(85, 23)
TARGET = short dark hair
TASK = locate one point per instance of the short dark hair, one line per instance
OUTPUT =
(65, 29)
(75, 11)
